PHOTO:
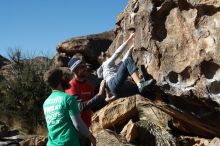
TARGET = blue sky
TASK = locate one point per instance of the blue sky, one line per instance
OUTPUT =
(37, 26)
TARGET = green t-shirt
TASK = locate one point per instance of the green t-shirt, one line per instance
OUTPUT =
(58, 108)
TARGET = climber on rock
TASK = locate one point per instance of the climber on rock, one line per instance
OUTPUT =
(116, 75)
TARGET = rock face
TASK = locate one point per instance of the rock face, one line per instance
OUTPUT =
(130, 131)
(186, 140)
(109, 138)
(178, 43)
(89, 46)
(114, 114)
(147, 125)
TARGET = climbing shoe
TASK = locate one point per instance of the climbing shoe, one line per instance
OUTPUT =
(143, 86)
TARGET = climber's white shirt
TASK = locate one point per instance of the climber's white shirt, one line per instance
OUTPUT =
(108, 69)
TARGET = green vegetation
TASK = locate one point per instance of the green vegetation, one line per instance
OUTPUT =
(23, 91)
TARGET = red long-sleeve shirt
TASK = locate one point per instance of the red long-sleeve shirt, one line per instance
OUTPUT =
(85, 92)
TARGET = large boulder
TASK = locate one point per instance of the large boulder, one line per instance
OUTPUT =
(214, 142)
(130, 131)
(178, 43)
(110, 138)
(89, 46)
(152, 126)
(114, 114)
(187, 140)
(212, 3)
(196, 141)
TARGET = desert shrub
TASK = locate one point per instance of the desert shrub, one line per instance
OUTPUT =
(23, 90)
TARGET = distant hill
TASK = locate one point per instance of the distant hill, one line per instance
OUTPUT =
(3, 61)
(6, 65)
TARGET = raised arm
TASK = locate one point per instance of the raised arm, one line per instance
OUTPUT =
(120, 49)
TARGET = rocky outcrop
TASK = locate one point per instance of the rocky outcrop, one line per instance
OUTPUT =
(153, 126)
(195, 141)
(212, 3)
(109, 138)
(147, 126)
(152, 134)
(177, 43)
(89, 46)
(214, 142)
(130, 131)
(114, 114)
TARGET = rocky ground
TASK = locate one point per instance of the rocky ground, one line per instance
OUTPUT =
(177, 43)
